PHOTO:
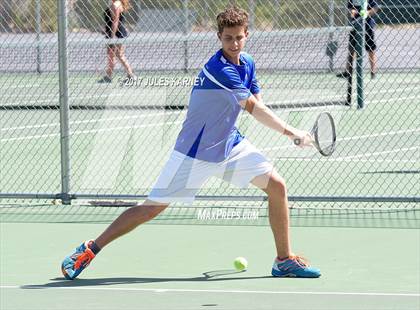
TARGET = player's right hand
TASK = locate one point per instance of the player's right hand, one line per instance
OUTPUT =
(302, 138)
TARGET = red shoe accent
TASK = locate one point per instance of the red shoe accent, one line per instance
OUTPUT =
(84, 259)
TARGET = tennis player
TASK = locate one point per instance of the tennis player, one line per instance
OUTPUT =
(209, 144)
(114, 17)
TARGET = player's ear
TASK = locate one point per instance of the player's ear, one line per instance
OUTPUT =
(219, 35)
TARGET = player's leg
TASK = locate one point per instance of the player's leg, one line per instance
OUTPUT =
(247, 165)
(286, 264)
(120, 52)
(130, 219)
(275, 188)
(179, 181)
(110, 52)
(75, 263)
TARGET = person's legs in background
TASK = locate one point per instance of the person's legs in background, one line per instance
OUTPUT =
(110, 64)
(121, 57)
(371, 49)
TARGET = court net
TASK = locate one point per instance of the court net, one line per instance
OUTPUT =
(245, 213)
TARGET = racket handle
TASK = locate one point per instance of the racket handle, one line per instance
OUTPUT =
(297, 141)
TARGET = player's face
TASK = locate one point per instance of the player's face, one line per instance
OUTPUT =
(233, 40)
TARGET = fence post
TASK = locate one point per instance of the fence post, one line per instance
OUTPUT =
(186, 32)
(251, 7)
(38, 30)
(360, 46)
(360, 39)
(277, 14)
(331, 35)
(64, 101)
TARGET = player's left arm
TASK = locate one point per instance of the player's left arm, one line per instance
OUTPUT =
(267, 117)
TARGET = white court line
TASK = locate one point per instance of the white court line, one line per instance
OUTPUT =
(30, 137)
(88, 131)
(379, 153)
(177, 122)
(389, 91)
(133, 117)
(391, 100)
(54, 98)
(23, 86)
(171, 290)
(382, 134)
(375, 135)
(413, 161)
(84, 122)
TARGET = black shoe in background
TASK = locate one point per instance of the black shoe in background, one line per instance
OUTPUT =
(105, 79)
(343, 75)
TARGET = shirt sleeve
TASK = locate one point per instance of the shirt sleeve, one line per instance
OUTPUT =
(229, 79)
(255, 87)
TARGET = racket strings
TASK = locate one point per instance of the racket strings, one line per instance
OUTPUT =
(325, 134)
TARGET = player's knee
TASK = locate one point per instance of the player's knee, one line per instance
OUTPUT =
(144, 213)
(277, 186)
(150, 211)
(120, 55)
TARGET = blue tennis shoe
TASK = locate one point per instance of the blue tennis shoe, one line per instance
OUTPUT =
(294, 266)
(74, 264)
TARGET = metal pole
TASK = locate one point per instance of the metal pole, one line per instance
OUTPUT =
(251, 6)
(360, 47)
(331, 34)
(360, 44)
(64, 101)
(38, 30)
(277, 15)
(186, 32)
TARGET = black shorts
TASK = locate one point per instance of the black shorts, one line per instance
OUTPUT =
(370, 44)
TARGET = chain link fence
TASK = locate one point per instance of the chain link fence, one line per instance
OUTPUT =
(114, 138)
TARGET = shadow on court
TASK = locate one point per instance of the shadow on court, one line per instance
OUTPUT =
(207, 276)
(393, 172)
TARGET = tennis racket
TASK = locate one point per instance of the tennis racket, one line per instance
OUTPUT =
(323, 134)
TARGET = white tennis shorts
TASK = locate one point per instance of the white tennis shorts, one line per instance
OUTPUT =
(182, 176)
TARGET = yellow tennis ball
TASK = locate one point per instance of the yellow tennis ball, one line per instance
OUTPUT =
(240, 263)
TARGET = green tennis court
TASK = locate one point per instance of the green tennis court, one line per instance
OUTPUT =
(165, 267)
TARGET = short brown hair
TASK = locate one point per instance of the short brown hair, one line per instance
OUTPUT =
(232, 17)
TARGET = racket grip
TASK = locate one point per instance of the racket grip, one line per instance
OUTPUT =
(297, 141)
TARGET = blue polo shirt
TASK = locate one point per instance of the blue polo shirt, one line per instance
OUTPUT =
(209, 132)
(355, 4)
